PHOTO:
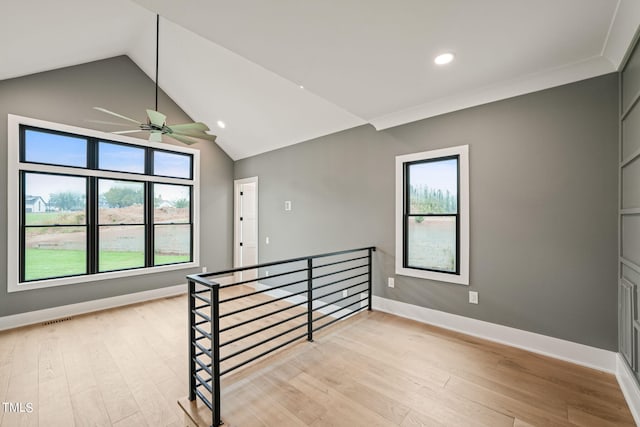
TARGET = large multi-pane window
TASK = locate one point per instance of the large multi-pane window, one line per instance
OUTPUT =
(432, 215)
(89, 207)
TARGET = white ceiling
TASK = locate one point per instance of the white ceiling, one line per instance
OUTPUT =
(360, 61)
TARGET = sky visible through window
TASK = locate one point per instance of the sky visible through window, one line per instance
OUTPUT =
(440, 175)
(118, 157)
(51, 148)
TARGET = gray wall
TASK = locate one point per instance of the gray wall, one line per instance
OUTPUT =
(543, 170)
(67, 96)
(630, 213)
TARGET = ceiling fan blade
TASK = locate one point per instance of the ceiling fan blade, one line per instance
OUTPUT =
(104, 122)
(104, 110)
(122, 132)
(198, 126)
(183, 139)
(199, 135)
(156, 118)
(155, 136)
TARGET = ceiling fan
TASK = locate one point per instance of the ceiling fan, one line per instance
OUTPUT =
(156, 123)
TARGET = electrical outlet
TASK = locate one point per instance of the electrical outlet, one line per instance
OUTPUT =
(266, 240)
(287, 205)
(392, 282)
(345, 293)
(473, 297)
(204, 269)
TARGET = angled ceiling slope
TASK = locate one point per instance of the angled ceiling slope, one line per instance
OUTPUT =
(359, 61)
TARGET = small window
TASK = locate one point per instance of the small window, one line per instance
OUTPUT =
(171, 164)
(55, 226)
(54, 149)
(120, 157)
(432, 215)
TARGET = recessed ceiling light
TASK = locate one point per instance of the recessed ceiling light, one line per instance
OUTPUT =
(221, 124)
(444, 58)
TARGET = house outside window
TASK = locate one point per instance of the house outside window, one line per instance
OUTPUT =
(87, 205)
(432, 215)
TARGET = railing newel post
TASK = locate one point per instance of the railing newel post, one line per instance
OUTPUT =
(370, 284)
(310, 299)
(192, 338)
(215, 353)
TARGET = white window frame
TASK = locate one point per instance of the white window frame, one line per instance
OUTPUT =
(14, 166)
(462, 151)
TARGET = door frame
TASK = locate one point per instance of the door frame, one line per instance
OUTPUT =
(236, 220)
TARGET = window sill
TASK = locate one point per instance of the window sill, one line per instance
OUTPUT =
(459, 279)
(48, 283)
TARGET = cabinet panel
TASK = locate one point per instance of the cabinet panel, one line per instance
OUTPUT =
(631, 185)
(631, 238)
(631, 132)
(631, 78)
(626, 321)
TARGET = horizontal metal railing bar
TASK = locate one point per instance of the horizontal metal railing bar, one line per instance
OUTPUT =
(203, 383)
(262, 291)
(340, 262)
(201, 277)
(338, 272)
(340, 290)
(203, 367)
(340, 309)
(200, 338)
(204, 399)
(202, 332)
(257, 331)
(198, 354)
(279, 346)
(265, 277)
(340, 318)
(203, 291)
(198, 278)
(200, 322)
(332, 303)
(259, 343)
(203, 299)
(335, 282)
(280, 310)
(199, 370)
(251, 307)
(200, 307)
(203, 349)
(204, 316)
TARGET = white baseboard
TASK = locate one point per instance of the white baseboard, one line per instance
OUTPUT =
(580, 354)
(297, 299)
(39, 316)
(629, 387)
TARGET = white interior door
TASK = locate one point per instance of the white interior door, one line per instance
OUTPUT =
(246, 226)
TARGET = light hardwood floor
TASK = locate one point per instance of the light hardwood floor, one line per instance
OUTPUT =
(128, 367)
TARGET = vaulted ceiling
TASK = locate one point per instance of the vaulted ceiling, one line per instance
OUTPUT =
(279, 72)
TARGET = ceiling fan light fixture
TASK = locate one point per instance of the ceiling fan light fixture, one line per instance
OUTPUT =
(444, 58)
(156, 125)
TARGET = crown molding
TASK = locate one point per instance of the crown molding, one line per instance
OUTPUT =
(622, 32)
